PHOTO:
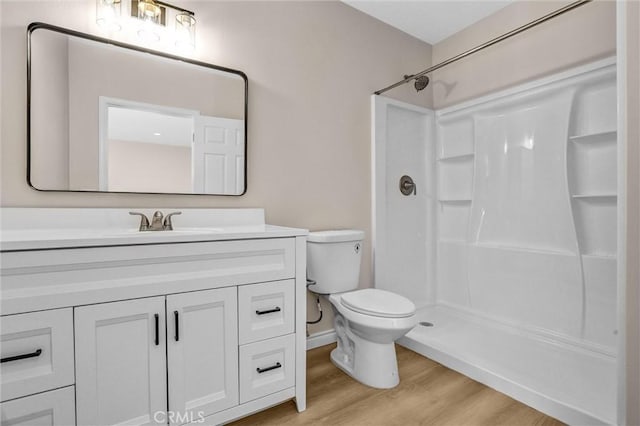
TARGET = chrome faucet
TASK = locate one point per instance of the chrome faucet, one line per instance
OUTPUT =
(157, 224)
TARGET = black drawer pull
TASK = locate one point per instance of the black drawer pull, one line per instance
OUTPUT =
(270, 311)
(157, 319)
(175, 316)
(264, 370)
(23, 356)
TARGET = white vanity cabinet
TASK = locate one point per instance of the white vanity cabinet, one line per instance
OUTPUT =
(130, 353)
(153, 329)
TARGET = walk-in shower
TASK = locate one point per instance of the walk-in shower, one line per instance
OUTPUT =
(508, 243)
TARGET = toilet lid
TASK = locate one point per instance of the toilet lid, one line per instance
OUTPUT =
(380, 303)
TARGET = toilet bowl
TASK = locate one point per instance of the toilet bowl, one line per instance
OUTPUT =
(366, 321)
(366, 349)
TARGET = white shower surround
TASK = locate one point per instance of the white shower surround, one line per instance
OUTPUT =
(516, 213)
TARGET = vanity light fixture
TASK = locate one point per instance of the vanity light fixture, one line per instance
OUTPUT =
(150, 17)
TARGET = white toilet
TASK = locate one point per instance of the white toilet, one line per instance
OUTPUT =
(367, 321)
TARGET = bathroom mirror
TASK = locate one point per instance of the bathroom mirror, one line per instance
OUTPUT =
(109, 117)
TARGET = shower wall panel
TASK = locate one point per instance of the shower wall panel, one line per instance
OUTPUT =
(527, 206)
(404, 225)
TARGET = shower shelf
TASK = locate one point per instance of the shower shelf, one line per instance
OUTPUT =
(460, 157)
(587, 256)
(599, 137)
(455, 241)
(454, 200)
(535, 250)
(603, 195)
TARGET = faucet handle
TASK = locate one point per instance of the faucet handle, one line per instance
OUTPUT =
(168, 226)
(144, 222)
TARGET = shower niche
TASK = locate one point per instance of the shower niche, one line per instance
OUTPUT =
(455, 161)
(592, 176)
(592, 167)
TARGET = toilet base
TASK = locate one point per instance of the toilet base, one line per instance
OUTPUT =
(372, 364)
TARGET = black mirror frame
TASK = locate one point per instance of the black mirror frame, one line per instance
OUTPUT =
(40, 25)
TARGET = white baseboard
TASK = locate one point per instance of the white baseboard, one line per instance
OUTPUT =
(321, 338)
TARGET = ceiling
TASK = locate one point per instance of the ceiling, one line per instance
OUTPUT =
(134, 125)
(429, 20)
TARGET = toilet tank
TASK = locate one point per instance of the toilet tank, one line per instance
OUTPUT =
(333, 260)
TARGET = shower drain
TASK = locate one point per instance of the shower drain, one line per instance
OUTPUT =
(426, 324)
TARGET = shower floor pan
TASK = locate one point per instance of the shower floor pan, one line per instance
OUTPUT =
(574, 384)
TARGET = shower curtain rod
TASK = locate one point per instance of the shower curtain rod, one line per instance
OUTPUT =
(498, 39)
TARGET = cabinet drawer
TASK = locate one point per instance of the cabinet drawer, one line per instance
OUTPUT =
(37, 352)
(265, 310)
(55, 408)
(32, 280)
(267, 367)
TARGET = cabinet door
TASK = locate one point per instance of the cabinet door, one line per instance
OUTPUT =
(121, 362)
(202, 345)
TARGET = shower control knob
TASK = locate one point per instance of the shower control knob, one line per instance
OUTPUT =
(407, 185)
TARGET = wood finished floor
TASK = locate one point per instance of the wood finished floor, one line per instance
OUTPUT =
(428, 394)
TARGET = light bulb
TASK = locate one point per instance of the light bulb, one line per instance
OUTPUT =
(108, 14)
(185, 30)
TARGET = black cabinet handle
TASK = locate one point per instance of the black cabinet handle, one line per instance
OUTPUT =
(175, 316)
(157, 318)
(270, 311)
(264, 370)
(23, 356)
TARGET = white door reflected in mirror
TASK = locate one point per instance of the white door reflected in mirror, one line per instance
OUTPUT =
(218, 155)
(154, 148)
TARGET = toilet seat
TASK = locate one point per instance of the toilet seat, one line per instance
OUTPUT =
(379, 303)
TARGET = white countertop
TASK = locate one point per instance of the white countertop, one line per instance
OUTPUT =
(39, 239)
(40, 229)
